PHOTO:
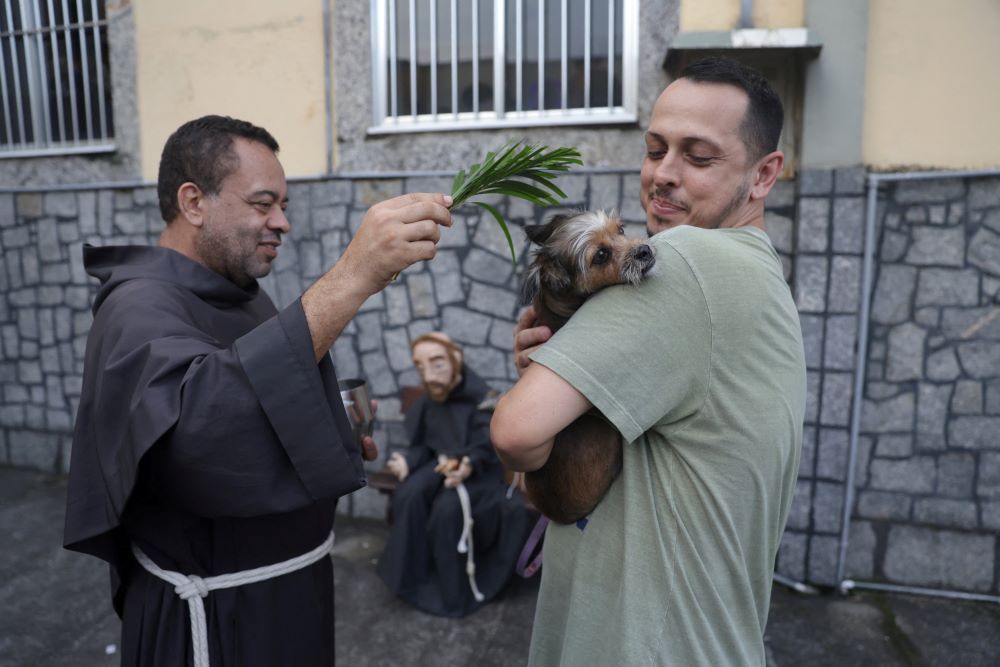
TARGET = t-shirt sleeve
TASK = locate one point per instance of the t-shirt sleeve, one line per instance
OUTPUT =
(641, 355)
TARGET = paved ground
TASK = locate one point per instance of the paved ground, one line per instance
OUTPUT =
(54, 609)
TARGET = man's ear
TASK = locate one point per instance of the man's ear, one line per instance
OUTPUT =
(766, 174)
(190, 202)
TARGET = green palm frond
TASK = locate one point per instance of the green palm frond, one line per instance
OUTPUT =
(537, 168)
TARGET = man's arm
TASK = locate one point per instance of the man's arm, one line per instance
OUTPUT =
(393, 235)
(530, 415)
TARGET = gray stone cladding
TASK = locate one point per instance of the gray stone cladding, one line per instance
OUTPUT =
(928, 468)
(927, 508)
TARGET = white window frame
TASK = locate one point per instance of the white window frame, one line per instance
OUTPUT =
(33, 46)
(509, 114)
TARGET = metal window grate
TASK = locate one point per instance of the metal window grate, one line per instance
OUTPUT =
(54, 78)
(477, 64)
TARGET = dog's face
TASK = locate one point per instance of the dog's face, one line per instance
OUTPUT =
(580, 254)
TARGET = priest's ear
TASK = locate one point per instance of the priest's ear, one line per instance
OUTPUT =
(191, 204)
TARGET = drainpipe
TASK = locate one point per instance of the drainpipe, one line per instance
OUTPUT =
(860, 369)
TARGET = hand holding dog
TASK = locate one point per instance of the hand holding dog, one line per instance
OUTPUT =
(528, 337)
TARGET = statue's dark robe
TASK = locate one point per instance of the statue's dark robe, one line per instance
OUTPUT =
(208, 435)
(421, 563)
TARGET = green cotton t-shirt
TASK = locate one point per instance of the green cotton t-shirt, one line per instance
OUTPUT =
(702, 370)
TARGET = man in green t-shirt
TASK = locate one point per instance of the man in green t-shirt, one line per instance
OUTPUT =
(701, 369)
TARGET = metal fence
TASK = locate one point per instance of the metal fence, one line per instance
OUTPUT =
(54, 78)
(476, 64)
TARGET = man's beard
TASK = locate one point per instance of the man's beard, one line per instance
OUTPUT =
(737, 200)
(437, 391)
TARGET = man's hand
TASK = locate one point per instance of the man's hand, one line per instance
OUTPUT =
(395, 234)
(459, 474)
(369, 450)
(528, 337)
(398, 466)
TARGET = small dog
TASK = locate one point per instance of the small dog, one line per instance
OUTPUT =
(579, 254)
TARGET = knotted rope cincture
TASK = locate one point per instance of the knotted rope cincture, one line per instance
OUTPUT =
(465, 541)
(193, 588)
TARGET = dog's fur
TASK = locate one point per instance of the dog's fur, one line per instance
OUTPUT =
(579, 254)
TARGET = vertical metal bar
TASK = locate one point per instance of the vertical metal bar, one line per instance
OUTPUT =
(586, 54)
(86, 72)
(413, 58)
(71, 71)
(99, 66)
(34, 71)
(46, 125)
(378, 46)
(499, 55)
(519, 54)
(17, 75)
(565, 53)
(434, 53)
(5, 99)
(541, 55)
(746, 13)
(611, 54)
(454, 58)
(630, 55)
(393, 92)
(475, 57)
(58, 82)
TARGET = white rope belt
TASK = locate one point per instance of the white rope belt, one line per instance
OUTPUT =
(465, 541)
(193, 588)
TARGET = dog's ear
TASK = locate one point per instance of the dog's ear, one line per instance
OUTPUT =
(539, 234)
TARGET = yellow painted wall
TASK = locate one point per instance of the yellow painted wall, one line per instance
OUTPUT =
(698, 15)
(932, 88)
(258, 60)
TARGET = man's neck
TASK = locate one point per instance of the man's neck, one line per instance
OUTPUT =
(751, 215)
(172, 238)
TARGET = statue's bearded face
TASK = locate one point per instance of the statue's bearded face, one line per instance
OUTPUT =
(439, 371)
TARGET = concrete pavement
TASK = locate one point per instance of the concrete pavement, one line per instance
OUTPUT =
(55, 609)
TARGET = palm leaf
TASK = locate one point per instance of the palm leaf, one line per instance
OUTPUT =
(496, 174)
(503, 226)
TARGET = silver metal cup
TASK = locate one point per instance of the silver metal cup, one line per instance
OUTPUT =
(357, 402)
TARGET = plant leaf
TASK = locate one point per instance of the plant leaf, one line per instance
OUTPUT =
(503, 225)
(496, 174)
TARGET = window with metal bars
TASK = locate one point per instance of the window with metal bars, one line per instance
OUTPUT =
(476, 64)
(55, 78)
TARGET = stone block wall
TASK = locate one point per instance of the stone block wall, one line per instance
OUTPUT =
(928, 465)
(827, 288)
(928, 468)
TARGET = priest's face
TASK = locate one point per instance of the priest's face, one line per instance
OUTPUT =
(437, 369)
(243, 223)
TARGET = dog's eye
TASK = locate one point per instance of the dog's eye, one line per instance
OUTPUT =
(601, 257)
(621, 230)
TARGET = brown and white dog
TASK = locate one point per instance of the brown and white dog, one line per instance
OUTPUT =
(579, 254)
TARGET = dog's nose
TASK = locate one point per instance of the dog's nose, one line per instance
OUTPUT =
(643, 253)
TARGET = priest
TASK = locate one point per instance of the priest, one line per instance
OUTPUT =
(211, 444)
